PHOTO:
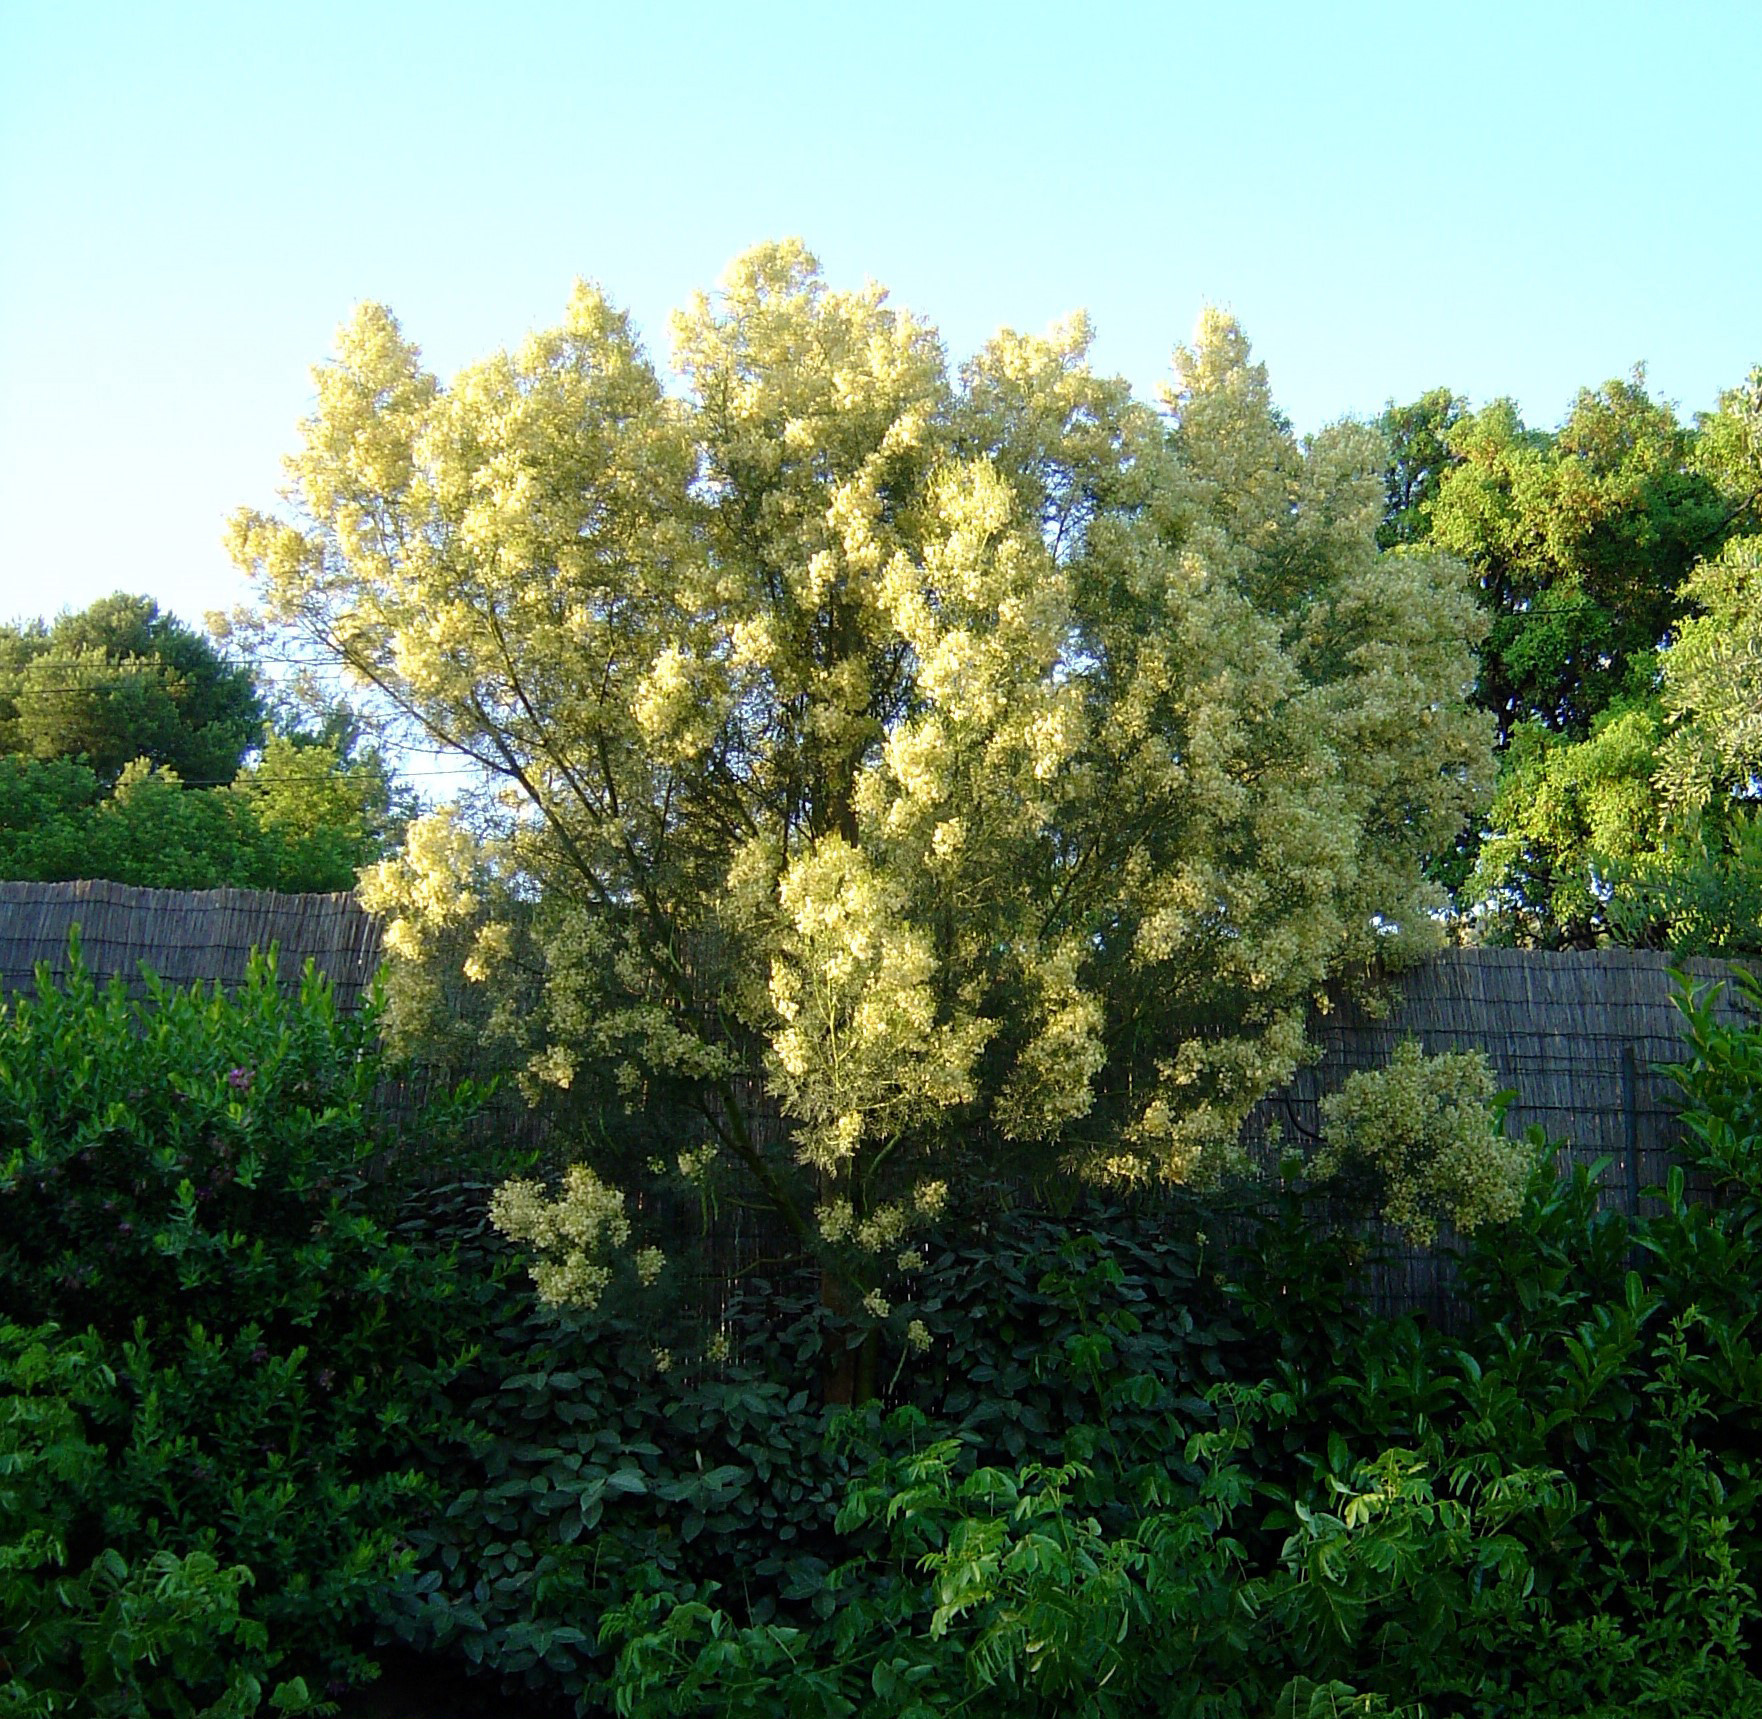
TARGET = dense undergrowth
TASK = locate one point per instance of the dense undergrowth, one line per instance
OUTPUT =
(275, 1399)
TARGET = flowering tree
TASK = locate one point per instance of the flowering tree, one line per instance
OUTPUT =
(972, 766)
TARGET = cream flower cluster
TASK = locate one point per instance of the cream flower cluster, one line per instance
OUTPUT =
(1423, 1127)
(427, 885)
(861, 1054)
(577, 1235)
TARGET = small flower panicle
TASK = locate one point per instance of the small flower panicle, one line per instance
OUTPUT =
(573, 1234)
(1423, 1126)
(695, 1163)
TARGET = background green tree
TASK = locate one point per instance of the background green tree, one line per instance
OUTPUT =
(1614, 558)
(301, 820)
(1582, 540)
(1419, 455)
(1646, 830)
(121, 680)
(135, 751)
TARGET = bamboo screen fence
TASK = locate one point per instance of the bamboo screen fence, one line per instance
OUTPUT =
(183, 935)
(1580, 1037)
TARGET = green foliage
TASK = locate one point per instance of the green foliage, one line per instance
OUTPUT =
(1583, 540)
(1645, 833)
(1549, 1517)
(1588, 846)
(185, 1153)
(57, 823)
(187, 1186)
(1146, 1459)
(1419, 454)
(583, 1478)
(324, 813)
(1699, 892)
(298, 820)
(120, 681)
(1621, 559)
(124, 739)
(1721, 1088)
(1566, 815)
(115, 1637)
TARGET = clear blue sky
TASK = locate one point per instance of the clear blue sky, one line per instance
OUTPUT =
(1511, 199)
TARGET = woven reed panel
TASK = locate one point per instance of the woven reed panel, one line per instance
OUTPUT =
(183, 935)
(1582, 1038)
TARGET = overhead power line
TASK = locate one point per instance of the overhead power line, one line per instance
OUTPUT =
(248, 777)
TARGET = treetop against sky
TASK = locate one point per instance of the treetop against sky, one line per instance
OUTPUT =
(1510, 202)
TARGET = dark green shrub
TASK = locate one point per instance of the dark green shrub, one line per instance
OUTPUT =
(89, 1631)
(1721, 1089)
(194, 1188)
(1550, 1515)
(580, 1476)
(1444, 1579)
(1139, 1460)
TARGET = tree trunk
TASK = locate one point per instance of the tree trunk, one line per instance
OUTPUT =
(839, 1380)
(868, 1367)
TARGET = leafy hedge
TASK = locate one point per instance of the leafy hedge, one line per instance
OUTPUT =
(581, 1477)
(214, 1351)
(272, 1392)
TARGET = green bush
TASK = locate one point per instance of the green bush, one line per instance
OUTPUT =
(1451, 1576)
(1142, 1469)
(1552, 1514)
(1721, 1088)
(580, 1476)
(1132, 1460)
(90, 1631)
(198, 1192)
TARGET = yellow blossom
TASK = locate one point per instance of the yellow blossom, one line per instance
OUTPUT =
(881, 757)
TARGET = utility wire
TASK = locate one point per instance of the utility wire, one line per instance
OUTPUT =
(248, 778)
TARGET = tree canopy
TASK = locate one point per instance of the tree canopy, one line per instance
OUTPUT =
(301, 818)
(1582, 539)
(132, 750)
(972, 765)
(120, 680)
(1611, 557)
(1641, 826)
(1419, 456)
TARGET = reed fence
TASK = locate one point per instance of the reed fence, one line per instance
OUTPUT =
(1581, 1038)
(183, 935)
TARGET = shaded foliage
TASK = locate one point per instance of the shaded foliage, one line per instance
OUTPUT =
(219, 1350)
(1145, 1458)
